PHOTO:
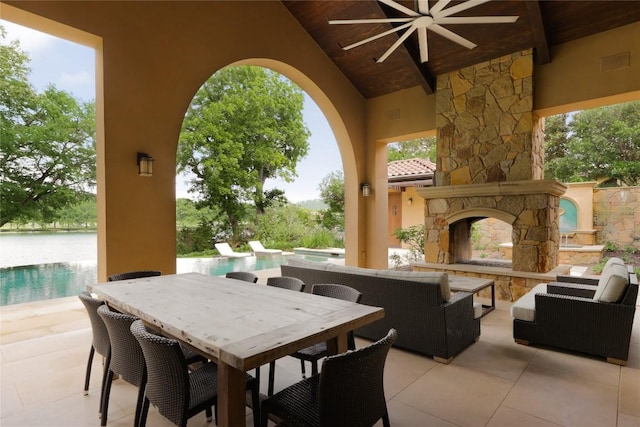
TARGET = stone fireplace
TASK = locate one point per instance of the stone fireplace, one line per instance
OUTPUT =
(531, 207)
(490, 164)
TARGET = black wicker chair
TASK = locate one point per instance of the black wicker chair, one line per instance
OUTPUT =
(349, 392)
(290, 283)
(316, 352)
(567, 317)
(245, 276)
(100, 341)
(177, 392)
(127, 359)
(133, 275)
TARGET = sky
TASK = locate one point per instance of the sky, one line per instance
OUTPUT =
(71, 67)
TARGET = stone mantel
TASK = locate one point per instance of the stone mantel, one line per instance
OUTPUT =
(506, 188)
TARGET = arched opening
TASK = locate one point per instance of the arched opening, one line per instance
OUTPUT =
(243, 130)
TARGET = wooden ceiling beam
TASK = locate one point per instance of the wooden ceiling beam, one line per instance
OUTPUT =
(542, 52)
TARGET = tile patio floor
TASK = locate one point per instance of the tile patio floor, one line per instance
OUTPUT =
(495, 382)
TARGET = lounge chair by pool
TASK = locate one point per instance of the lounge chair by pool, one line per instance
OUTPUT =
(226, 251)
(260, 250)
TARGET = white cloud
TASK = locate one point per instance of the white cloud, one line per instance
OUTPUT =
(31, 41)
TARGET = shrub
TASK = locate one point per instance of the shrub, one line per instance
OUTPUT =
(597, 268)
(320, 238)
(630, 249)
(413, 236)
(610, 247)
(190, 240)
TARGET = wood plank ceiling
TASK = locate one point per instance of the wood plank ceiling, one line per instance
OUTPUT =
(541, 25)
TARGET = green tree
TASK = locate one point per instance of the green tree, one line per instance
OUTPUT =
(243, 126)
(283, 226)
(83, 213)
(47, 143)
(598, 143)
(424, 148)
(332, 194)
(188, 214)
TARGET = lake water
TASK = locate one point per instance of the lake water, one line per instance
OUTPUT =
(39, 266)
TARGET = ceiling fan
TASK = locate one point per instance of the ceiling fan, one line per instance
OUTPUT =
(424, 19)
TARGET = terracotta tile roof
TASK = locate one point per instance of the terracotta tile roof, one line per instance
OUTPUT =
(410, 168)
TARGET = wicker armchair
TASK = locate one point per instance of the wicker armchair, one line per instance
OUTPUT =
(349, 392)
(177, 392)
(316, 352)
(245, 276)
(569, 316)
(100, 341)
(133, 275)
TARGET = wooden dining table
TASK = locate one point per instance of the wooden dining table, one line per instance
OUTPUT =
(237, 324)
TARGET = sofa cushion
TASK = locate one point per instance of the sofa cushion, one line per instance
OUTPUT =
(432, 277)
(611, 261)
(296, 261)
(525, 307)
(477, 310)
(612, 284)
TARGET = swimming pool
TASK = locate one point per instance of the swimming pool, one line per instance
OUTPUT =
(57, 280)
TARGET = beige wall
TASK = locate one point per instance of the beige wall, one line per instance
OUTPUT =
(153, 56)
(581, 194)
(575, 80)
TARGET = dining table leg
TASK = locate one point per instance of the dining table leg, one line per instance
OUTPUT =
(338, 344)
(232, 391)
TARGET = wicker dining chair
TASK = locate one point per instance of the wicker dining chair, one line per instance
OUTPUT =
(245, 276)
(99, 343)
(284, 282)
(177, 392)
(133, 275)
(348, 392)
(316, 352)
(127, 359)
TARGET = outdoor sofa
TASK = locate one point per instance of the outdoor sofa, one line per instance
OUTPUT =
(429, 318)
(590, 316)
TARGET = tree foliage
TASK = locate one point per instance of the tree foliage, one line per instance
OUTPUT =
(594, 144)
(243, 127)
(47, 143)
(424, 148)
(332, 194)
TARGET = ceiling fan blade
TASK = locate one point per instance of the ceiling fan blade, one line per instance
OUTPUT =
(400, 8)
(396, 44)
(452, 36)
(459, 8)
(369, 21)
(439, 6)
(476, 20)
(377, 36)
(422, 43)
(423, 7)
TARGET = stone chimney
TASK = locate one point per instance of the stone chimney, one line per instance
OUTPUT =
(490, 153)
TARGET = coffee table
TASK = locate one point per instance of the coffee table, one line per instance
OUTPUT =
(473, 285)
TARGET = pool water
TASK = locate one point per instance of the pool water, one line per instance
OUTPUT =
(57, 280)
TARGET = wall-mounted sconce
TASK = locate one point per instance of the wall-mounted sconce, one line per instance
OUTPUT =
(366, 190)
(145, 164)
(410, 200)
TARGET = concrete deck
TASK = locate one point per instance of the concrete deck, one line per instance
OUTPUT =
(495, 382)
